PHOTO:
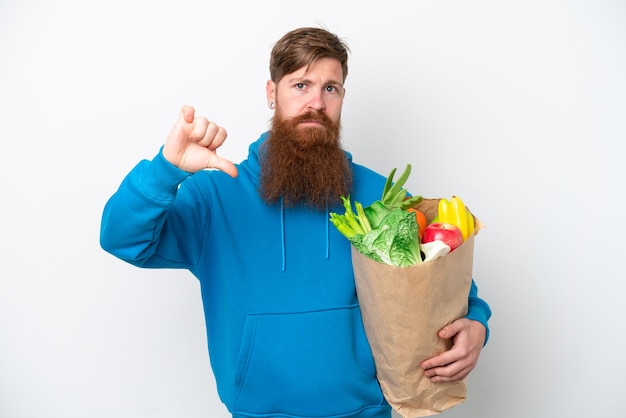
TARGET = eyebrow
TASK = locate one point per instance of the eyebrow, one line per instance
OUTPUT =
(309, 81)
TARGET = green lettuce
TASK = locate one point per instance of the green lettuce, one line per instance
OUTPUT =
(384, 231)
(393, 242)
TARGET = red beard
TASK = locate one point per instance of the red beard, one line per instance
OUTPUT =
(304, 165)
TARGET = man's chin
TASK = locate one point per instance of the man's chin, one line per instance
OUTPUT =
(310, 126)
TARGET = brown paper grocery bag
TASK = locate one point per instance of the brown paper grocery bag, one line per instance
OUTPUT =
(403, 308)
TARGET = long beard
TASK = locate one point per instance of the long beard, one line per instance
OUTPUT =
(304, 165)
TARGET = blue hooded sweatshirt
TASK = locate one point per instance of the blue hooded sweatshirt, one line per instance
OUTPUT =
(283, 323)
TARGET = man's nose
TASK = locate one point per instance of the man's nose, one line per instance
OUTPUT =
(316, 101)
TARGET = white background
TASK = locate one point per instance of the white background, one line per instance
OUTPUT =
(516, 106)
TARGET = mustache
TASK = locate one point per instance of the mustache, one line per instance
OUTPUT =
(315, 116)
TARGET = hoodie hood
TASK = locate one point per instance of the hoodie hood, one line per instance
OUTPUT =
(255, 151)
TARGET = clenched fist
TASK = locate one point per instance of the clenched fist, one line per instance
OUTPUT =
(192, 143)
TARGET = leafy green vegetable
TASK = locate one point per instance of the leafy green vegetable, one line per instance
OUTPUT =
(383, 231)
(395, 195)
(376, 212)
(394, 242)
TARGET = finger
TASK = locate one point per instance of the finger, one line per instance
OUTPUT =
(454, 378)
(177, 139)
(185, 118)
(446, 366)
(218, 139)
(214, 136)
(187, 114)
(199, 130)
(441, 360)
(451, 373)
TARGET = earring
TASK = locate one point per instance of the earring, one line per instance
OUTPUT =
(271, 105)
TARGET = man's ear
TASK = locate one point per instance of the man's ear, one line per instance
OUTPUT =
(270, 90)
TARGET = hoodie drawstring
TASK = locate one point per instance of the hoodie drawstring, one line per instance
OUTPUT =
(327, 232)
(282, 235)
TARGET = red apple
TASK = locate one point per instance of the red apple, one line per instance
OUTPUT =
(448, 233)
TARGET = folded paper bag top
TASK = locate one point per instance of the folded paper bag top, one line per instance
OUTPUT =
(403, 308)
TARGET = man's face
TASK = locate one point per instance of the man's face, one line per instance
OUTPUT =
(303, 163)
(317, 88)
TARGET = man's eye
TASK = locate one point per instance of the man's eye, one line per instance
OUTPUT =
(300, 86)
(331, 89)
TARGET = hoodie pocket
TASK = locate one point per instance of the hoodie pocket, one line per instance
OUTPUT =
(306, 364)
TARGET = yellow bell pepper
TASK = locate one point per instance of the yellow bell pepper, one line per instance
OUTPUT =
(444, 212)
(459, 215)
(471, 223)
(454, 212)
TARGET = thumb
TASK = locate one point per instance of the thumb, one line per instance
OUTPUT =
(224, 165)
(450, 330)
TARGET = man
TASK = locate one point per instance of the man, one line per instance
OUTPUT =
(283, 323)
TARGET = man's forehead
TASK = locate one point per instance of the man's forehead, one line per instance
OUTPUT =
(328, 69)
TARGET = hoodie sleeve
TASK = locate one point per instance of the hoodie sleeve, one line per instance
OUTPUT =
(478, 309)
(136, 221)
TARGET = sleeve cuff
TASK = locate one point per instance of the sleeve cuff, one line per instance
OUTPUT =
(479, 311)
(160, 178)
